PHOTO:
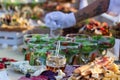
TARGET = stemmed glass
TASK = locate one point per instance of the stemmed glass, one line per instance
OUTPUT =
(55, 33)
(86, 50)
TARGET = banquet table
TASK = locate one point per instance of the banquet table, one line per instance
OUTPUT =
(13, 75)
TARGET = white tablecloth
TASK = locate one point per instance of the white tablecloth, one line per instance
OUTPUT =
(13, 75)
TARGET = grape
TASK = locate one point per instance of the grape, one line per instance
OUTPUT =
(28, 75)
(51, 75)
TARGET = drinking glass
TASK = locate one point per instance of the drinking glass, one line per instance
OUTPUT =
(55, 61)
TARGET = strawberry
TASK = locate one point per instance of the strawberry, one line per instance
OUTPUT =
(89, 27)
(12, 60)
(102, 29)
(2, 66)
(4, 59)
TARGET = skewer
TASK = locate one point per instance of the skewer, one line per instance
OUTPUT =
(57, 48)
(119, 50)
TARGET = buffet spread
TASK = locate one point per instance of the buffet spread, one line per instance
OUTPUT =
(70, 56)
(79, 57)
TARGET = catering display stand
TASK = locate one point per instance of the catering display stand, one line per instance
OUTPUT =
(12, 34)
(11, 38)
